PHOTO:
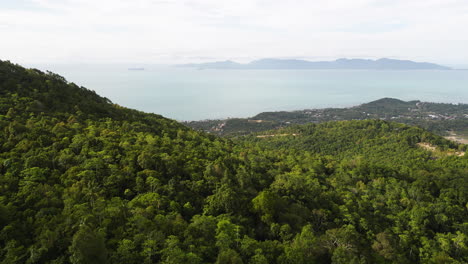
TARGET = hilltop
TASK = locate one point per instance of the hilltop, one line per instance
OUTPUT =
(84, 180)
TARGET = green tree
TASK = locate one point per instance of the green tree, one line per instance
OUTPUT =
(88, 247)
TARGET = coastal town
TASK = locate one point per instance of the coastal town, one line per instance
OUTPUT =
(449, 120)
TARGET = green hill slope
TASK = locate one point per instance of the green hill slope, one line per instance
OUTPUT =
(83, 180)
(377, 141)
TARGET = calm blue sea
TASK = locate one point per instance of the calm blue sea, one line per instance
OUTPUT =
(191, 94)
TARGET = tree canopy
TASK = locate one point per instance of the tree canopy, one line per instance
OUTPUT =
(83, 180)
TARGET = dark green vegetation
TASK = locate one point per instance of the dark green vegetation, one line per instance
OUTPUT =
(442, 119)
(83, 180)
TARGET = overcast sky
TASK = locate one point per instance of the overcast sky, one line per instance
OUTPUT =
(178, 31)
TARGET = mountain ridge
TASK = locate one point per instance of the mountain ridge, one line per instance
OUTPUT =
(339, 64)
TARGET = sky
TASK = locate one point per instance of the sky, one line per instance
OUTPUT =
(182, 31)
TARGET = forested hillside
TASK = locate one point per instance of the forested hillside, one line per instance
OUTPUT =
(83, 180)
(377, 141)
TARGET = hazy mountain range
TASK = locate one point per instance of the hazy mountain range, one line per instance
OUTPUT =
(340, 64)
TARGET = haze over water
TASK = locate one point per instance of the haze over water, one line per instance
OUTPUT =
(191, 94)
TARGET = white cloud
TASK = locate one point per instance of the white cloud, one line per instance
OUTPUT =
(173, 31)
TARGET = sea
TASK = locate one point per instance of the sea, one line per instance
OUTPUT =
(187, 94)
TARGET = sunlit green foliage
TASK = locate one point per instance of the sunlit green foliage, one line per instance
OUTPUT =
(83, 180)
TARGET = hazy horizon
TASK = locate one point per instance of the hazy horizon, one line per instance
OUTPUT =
(149, 65)
(194, 31)
(191, 94)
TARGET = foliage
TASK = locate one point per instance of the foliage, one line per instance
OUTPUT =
(83, 180)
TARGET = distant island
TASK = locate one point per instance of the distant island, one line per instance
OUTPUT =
(136, 69)
(340, 64)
